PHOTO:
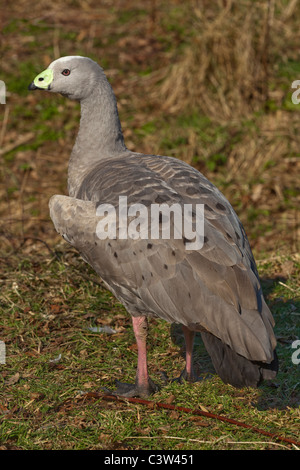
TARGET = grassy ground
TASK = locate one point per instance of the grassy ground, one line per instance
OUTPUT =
(210, 84)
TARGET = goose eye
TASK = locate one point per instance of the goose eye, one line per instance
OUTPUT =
(66, 72)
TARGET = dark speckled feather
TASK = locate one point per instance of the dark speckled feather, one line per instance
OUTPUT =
(216, 288)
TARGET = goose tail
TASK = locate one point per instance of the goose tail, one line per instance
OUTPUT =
(235, 369)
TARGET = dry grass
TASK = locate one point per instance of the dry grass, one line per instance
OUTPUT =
(226, 70)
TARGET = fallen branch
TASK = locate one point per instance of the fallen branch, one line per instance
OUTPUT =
(166, 406)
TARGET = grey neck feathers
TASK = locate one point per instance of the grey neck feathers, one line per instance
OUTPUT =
(100, 134)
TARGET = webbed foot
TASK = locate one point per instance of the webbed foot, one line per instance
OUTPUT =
(185, 377)
(135, 390)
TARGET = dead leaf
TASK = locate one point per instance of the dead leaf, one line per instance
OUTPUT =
(3, 409)
(203, 409)
(170, 399)
(287, 268)
(37, 396)
(164, 429)
(82, 35)
(88, 385)
(143, 431)
(13, 379)
(256, 192)
(54, 308)
(199, 421)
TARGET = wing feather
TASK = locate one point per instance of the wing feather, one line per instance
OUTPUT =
(215, 288)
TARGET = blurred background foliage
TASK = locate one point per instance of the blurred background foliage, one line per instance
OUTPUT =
(206, 82)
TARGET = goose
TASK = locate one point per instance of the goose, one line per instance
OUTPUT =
(205, 280)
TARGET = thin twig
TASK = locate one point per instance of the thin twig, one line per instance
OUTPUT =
(288, 287)
(4, 124)
(213, 442)
(21, 141)
(53, 253)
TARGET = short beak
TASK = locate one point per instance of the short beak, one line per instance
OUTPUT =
(42, 81)
(32, 86)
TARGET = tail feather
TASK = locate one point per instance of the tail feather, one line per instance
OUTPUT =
(235, 369)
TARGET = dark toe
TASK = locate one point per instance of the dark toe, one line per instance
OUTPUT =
(185, 377)
(135, 390)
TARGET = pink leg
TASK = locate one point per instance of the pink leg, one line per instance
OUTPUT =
(143, 385)
(188, 372)
(140, 328)
(189, 343)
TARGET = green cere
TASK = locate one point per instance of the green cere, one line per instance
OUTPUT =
(44, 79)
